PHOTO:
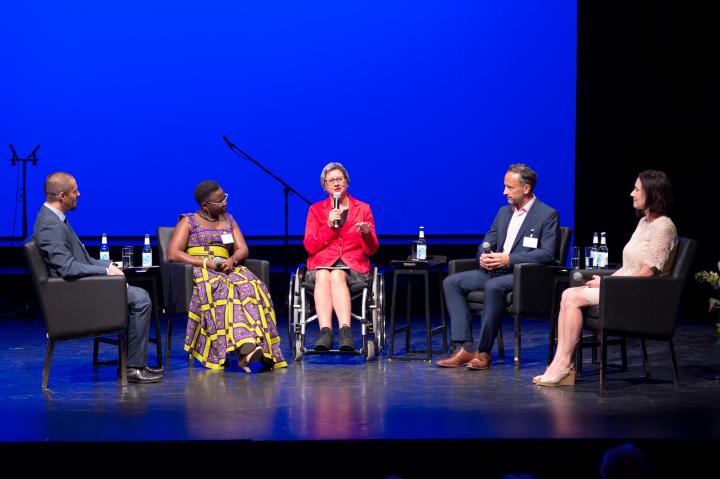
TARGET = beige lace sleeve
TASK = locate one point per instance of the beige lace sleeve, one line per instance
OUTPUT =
(662, 241)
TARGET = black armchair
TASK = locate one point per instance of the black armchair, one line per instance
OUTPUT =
(83, 308)
(532, 294)
(641, 307)
(177, 281)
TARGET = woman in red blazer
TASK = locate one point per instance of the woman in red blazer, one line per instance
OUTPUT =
(342, 236)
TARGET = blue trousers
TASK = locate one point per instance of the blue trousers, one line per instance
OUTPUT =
(456, 288)
(139, 308)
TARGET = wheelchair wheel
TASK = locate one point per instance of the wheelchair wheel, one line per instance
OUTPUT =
(291, 323)
(297, 350)
(380, 314)
(370, 350)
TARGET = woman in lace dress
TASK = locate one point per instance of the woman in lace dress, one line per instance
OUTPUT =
(231, 308)
(650, 252)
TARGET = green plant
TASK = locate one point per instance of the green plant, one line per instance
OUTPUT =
(713, 279)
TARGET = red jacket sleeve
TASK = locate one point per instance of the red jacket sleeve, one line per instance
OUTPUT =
(370, 241)
(317, 231)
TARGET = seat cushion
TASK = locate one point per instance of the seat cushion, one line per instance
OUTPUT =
(355, 288)
(477, 298)
(590, 321)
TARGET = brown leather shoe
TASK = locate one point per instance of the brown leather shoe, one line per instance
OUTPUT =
(483, 361)
(460, 358)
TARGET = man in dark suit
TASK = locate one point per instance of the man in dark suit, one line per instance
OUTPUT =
(67, 258)
(525, 230)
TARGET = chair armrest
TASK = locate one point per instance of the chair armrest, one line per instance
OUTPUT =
(84, 306)
(177, 281)
(260, 268)
(533, 289)
(587, 275)
(460, 265)
(649, 304)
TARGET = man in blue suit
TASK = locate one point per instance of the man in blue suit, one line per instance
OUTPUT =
(525, 230)
(67, 258)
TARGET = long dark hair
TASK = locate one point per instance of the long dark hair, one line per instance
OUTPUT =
(658, 192)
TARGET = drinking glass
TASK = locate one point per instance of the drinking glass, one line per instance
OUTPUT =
(127, 256)
(588, 258)
(575, 257)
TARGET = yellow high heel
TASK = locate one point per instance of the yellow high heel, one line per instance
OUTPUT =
(566, 377)
(250, 357)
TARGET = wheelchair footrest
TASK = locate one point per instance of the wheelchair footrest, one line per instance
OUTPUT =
(332, 351)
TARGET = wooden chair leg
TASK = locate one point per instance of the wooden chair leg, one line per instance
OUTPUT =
(673, 359)
(646, 363)
(47, 363)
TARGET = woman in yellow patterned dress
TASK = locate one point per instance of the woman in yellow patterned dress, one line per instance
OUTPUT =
(231, 308)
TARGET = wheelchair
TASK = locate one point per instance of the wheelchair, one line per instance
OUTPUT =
(369, 299)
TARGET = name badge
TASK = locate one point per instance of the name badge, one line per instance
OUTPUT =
(529, 242)
(227, 238)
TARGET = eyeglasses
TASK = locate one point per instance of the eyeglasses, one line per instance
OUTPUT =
(338, 180)
(224, 200)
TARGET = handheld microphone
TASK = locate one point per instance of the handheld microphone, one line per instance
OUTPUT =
(218, 260)
(486, 248)
(336, 205)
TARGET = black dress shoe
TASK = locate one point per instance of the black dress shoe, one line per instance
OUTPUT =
(154, 370)
(142, 375)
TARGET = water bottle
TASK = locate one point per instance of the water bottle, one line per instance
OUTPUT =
(421, 246)
(594, 250)
(602, 254)
(147, 253)
(104, 249)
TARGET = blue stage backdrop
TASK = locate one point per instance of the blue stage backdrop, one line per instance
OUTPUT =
(425, 103)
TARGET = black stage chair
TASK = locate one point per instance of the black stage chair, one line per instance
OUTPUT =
(177, 281)
(532, 294)
(641, 307)
(82, 308)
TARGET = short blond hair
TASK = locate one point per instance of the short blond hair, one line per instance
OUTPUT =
(56, 183)
(333, 166)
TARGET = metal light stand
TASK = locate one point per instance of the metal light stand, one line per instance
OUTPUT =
(23, 195)
(23, 191)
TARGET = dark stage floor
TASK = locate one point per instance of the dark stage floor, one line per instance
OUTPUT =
(344, 398)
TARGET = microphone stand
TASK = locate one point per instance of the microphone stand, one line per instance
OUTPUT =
(23, 191)
(287, 189)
